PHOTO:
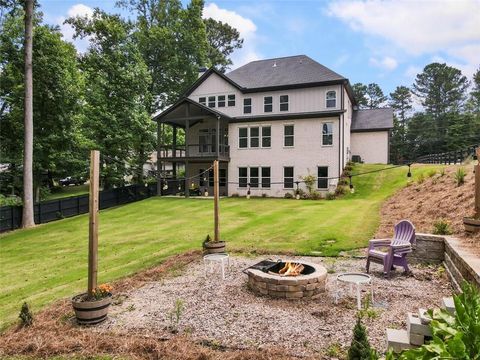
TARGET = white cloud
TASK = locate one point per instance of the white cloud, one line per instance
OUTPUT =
(246, 27)
(420, 27)
(68, 31)
(386, 63)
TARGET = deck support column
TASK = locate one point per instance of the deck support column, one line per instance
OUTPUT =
(218, 137)
(159, 157)
(174, 150)
(187, 187)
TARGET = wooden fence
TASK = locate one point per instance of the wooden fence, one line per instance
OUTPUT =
(447, 158)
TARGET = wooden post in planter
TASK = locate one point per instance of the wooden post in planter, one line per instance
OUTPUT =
(215, 199)
(93, 221)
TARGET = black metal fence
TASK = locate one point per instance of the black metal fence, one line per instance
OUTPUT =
(11, 216)
(451, 157)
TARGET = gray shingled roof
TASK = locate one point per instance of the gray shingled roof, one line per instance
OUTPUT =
(291, 70)
(372, 119)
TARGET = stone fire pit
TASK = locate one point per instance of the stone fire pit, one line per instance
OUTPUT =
(264, 279)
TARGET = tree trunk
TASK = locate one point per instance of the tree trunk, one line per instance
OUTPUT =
(27, 216)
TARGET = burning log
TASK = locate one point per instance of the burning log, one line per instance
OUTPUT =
(291, 269)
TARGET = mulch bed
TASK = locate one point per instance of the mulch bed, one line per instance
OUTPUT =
(223, 319)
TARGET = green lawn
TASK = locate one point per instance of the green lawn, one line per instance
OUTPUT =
(49, 262)
(66, 191)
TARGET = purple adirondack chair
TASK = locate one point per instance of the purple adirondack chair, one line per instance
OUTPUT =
(397, 248)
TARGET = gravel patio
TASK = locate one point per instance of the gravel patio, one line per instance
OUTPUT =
(227, 314)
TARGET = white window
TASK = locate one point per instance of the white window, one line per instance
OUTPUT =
(266, 177)
(266, 136)
(288, 135)
(268, 104)
(242, 177)
(221, 101)
(202, 100)
(231, 100)
(254, 175)
(247, 106)
(211, 101)
(322, 177)
(255, 137)
(243, 138)
(288, 177)
(327, 134)
(283, 102)
(331, 99)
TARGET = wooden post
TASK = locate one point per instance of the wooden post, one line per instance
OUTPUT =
(477, 185)
(215, 198)
(93, 221)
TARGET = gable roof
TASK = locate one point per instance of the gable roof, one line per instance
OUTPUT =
(285, 71)
(278, 74)
(372, 120)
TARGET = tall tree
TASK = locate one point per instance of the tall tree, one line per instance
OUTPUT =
(222, 41)
(442, 90)
(173, 43)
(474, 100)
(57, 86)
(401, 102)
(115, 116)
(27, 215)
(375, 96)
(360, 94)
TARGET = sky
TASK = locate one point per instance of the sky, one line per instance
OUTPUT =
(386, 42)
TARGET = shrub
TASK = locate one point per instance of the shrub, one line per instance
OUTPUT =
(236, 195)
(346, 173)
(26, 316)
(360, 347)
(441, 227)
(315, 195)
(288, 195)
(10, 200)
(432, 173)
(175, 314)
(442, 172)
(309, 181)
(330, 196)
(421, 178)
(454, 337)
(340, 190)
(343, 181)
(264, 195)
(460, 176)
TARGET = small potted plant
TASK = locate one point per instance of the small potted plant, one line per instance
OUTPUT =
(211, 246)
(93, 309)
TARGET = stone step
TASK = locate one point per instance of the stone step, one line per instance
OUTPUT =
(416, 330)
(398, 340)
(422, 314)
(449, 305)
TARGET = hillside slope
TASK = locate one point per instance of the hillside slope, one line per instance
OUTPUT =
(437, 197)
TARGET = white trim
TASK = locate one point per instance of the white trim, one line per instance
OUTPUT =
(283, 137)
(327, 178)
(321, 134)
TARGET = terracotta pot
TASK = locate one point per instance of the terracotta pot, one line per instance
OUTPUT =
(471, 225)
(214, 247)
(91, 312)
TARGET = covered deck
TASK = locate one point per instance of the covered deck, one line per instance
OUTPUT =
(205, 139)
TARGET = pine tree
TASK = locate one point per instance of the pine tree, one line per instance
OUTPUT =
(375, 96)
(360, 347)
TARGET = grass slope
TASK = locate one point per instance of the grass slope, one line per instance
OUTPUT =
(49, 262)
(67, 191)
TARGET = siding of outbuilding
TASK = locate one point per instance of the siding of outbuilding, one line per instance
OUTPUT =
(372, 146)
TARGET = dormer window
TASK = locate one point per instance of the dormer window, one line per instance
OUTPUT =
(331, 99)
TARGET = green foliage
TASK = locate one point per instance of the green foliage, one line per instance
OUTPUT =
(432, 173)
(26, 316)
(175, 314)
(360, 94)
(309, 181)
(360, 347)
(420, 178)
(375, 96)
(10, 200)
(330, 196)
(459, 176)
(222, 41)
(454, 337)
(442, 172)
(289, 196)
(441, 227)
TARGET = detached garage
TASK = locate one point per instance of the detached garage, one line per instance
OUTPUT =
(370, 135)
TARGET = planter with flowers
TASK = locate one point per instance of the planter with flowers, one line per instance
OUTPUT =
(93, 309)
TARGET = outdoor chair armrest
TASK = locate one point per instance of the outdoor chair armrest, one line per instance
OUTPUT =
(378, 243)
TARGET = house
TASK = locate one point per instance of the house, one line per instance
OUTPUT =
(269, 123)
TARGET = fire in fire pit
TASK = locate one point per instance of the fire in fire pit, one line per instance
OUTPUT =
(288, 279)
